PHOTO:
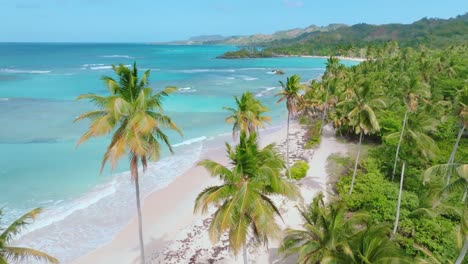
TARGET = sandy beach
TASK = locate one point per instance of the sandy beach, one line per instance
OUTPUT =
(173, 234)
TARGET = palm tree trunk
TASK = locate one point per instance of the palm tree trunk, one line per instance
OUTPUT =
(463, 251)
(397, 218)
(287, 147)
(244, 253)
(454, 151)
(355, 164)
(140, 224)
(399, 144)
(324, 110)
(465, 194)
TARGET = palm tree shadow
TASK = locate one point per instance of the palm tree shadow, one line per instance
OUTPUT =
(153, 249)
(312, 182)
(275, 258)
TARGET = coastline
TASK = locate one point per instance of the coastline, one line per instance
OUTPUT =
(339, 57)
(173, 234)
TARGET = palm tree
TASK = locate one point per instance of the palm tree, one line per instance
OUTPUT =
(20, 254)
(133, 112)
(400, 192)
(291, 94)
(361, 116)
(463, 236)
(248, 117)
(324, 234)
(461, 170)
(463, 114)
(243, 205)
(371, 245)
(413, 91)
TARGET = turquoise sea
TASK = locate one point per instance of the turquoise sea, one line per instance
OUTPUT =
(40, 165)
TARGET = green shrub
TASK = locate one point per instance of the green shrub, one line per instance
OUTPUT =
(313, 135)
(299, 169)
(304, 120)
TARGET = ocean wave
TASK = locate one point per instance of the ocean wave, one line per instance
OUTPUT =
(249, 78)
(267, 91)
(23, 71)
(84, 218)
(190, 141)
(99, 66)
(118, 56)
(252, 69)
(186, 90)
(4, 99)
(204, 70)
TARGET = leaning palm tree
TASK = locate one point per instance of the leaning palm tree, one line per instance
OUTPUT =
(249, 115)
(291, 94)
(243, 206)
(20, 254)
(361, 116)
(462, 236)
(463, 114)
(133, 113)
(413, 91)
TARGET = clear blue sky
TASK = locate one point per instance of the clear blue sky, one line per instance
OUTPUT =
(163, 20)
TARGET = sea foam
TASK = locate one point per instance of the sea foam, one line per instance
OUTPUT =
(23, 71)
(98, 215)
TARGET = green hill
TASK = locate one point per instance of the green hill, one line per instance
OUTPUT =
(354, 40)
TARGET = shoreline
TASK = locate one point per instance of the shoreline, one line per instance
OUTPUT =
(180, 194)
(173, 234)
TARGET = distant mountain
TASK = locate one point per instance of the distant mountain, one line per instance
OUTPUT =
(205, 38)
(257, 39)
(354, 40)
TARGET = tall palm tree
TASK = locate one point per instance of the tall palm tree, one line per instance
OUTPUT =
(400, 192)
(413, 91)
(133, 113)
(249, 115)
(20, 254)
(243, 205)
(361, 107)
(463, 236)
(291, 94)
(463, 114)
(416, 137)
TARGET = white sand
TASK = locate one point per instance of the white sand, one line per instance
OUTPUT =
(174, 235)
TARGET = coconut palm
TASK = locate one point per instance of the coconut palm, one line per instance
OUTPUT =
(461, 183)
(462, 236)
(133, 113)
(371, 245)
(361, 107)
(291, 94)
(400, 192)
(244, 209)
(249, 115)
(324, 234)
(333, 72)
(20, 254)
(463, 114)
(413, 91)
